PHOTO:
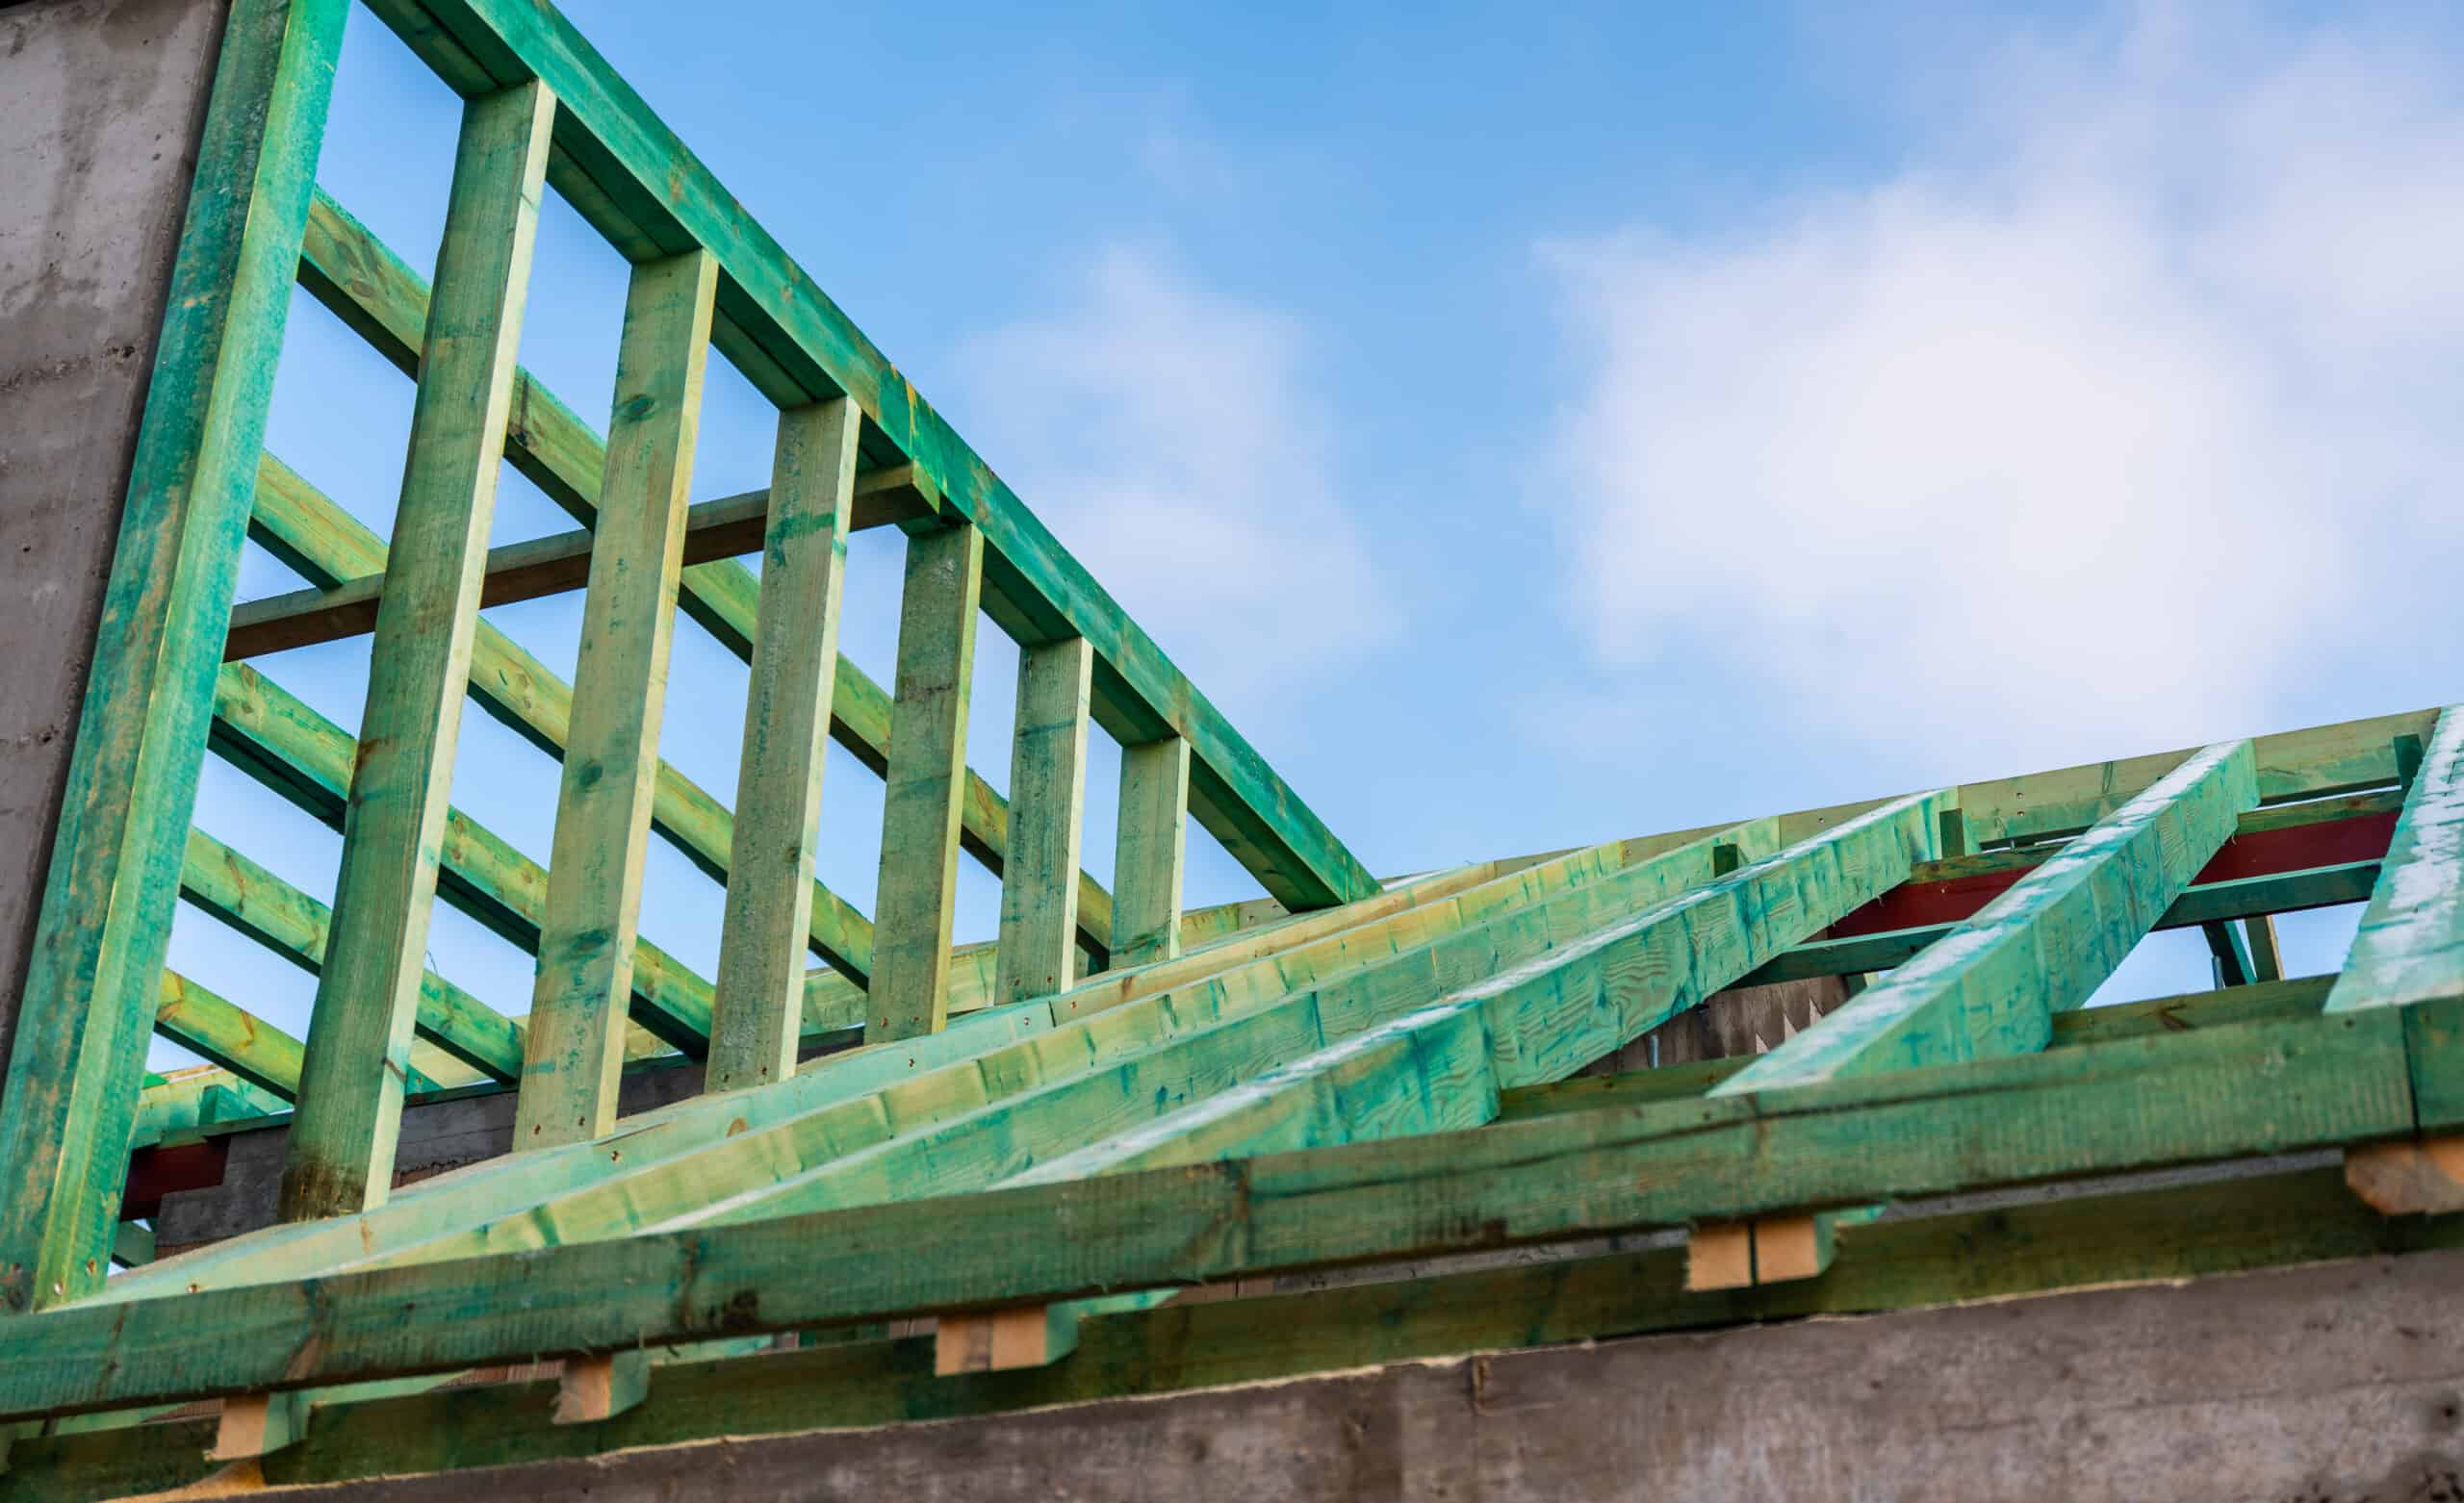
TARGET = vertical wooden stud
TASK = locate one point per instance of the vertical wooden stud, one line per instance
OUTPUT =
(1147, 863)
(1038, 949)
(760, 1002)
(576, 1041)
(87, 1008)
(2266, 962)
(340, 1156)
(926, 779)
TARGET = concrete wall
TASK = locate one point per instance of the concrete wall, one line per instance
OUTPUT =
(2341, 1382)
(101, 103)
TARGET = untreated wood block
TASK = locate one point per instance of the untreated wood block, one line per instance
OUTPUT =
(601, 1387)
(259, 1424)
(2422, 1178)
(1736, 1255)
(1720, 1256)
(998, 1340)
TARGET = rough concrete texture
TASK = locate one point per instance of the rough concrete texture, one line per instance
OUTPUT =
(2341, 1382)
(101, 102)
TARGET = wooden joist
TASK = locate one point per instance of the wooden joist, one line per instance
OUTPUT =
(1150, 852)
(2408, 961)
(728, 528)
(351, 1102)
(786, 715)
(2137, 1103)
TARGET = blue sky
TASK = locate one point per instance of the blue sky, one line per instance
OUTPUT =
(1535, 425)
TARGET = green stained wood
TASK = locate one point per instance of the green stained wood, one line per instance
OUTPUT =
(1152, 844)
(214, 1028)
(649, 195)
(576, 1037)
(786, 716)
(306, 529)
(913, 910)
(2237, 1225)
(2409, 947)
(373, 290)
(2229, 954)
(341, 1151)
(1992, 985)
(287, 746)
(2258, 939)
(297, 927)
(1038, 943)
(87, 1006)
(2133, 1105)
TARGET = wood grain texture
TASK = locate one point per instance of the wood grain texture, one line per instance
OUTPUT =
(1039, 936)
(786, 719)
(925, 784)
(1992, 985)
(576, 1037)
(349, 1106)
(92, 975)
(1150, 852)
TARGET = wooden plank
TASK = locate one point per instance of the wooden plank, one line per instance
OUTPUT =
(647, 193)
(576, 1040)
(1038, 941)
(970, 1123)
(294, 926)
(506, 1187)
(1425, 1071)
(287, 746)
(1150, 851)
(728, 527)
(2258, 939)
(1992, 985)
(350, 1106)
(2232, 1226)
(219, 1029)
(912, 907)
(87, 1006)
(372, 289)
(2142, 1103)
(2409, 947)
(786, 716)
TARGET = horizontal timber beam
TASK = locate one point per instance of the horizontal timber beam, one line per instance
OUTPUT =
(640, 186)
(2126, 1106)
(726, 528)
(2126, 1235)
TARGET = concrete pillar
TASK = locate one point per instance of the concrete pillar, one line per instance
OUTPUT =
(101, 105)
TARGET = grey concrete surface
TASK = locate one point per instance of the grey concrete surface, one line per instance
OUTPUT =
(2341, 1382)
(101, 102)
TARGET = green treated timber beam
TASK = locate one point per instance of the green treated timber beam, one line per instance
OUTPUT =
(1992, 985)
(779, 781)
(220, 1030)
(2243, 897)
(1038, 953)
(283, 743)
(77, 1055)
(2243, 1224)
(349, 1109)
(294, 926)
(510, 1185)
(647, 193)
(2268, 1002)
(575, 1043)
(2121, 1107)
(1425, 1071)
(1436, 936)
(962, 1127)
(311, 533)
(728, 528)
(355, 275)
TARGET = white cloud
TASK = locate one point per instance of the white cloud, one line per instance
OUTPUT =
(1169, 436)
(2129, 402)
